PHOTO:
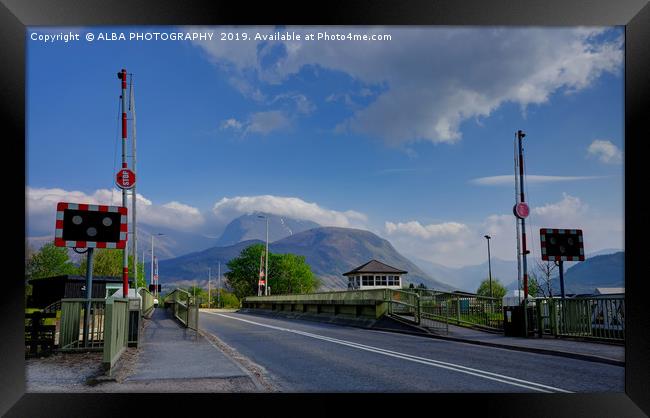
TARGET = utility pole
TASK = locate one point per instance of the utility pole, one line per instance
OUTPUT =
(125, 260)
(489, 265)
(266, 259)
(209, 278)
(219, 287)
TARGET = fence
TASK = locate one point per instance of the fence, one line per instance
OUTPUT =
(72, 321)
(117, 327)
(405, 305)
(38, 334)
(147, 301)
(184, 308)
(601, 317)
(464, 310)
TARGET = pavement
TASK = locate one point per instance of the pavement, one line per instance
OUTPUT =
(608, 353)
(171, 351)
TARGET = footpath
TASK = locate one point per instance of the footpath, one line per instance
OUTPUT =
(173, 358)
(607, 353)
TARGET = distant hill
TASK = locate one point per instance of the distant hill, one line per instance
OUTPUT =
(584, 277)
(469, 278)
(250, 226)
(329, 251)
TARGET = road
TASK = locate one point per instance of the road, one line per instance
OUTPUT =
(304, 356)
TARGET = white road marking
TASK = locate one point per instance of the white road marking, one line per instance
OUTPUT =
(430, 362)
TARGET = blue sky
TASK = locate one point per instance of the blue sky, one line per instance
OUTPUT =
(400, 137)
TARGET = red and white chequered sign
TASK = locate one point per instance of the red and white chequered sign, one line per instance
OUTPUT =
(58, 232)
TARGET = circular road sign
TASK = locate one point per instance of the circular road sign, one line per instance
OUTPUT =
(125, 179)
(521, 210)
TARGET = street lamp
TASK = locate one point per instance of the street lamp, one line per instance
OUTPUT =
(266, 258)
(487, 237)
(152, 257)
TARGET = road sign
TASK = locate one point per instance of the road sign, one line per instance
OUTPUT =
(125, 179)
(80, 225)
(521, 210)
(562, 244)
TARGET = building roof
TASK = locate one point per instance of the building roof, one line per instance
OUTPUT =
(609, 290)
(374, 266)
(74, 278)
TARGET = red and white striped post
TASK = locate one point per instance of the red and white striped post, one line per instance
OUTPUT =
(520, 136)
(125, 264)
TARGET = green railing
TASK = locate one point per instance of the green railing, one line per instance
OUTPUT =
(116, 334)
(72, 318)
(147, 301)
(601, 317)
(333, 296)
(459, 309)
(184, 308)
(405, 305)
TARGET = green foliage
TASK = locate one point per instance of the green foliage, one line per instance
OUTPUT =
(49, 261)
(498, 290)
(289, 273)
(108, 262)
(534, 288)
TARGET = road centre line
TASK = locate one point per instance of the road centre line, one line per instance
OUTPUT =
(436, 363)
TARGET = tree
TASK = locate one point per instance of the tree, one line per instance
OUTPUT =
(546, 269)
(49, 261)
(534, 288)
(289, 273)
(498, 290)
(244, 271)
(107, 262)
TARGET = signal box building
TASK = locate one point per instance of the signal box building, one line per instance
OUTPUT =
(374, 275)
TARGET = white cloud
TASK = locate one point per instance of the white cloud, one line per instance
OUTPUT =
(259, 123)
(266, 122)
(456, 244)
(433, 79)
(508, 180)
(228, 208)
(231, 123)
(605, 151)
(41, 208)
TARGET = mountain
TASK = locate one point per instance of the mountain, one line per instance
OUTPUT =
(251, 226)
(584, 277)
(469, 278)
(330, 252)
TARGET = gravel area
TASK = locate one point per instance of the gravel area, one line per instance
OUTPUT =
(82, 372)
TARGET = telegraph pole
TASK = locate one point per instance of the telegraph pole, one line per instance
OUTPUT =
(209, 278)
(219, 287)
(125, 260)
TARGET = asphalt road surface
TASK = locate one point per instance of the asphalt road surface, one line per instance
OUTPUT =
(305, 356)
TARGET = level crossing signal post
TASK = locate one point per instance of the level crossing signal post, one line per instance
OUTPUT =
(85, 226)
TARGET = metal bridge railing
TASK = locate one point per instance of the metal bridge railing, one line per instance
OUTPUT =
(184, 307)
(405, 305)
(600, 317)
(463, 310)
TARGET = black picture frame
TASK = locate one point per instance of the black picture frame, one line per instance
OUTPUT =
(16, 15)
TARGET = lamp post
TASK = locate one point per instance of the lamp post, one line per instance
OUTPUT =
(266, 257)
(487, 237)
(152, 257)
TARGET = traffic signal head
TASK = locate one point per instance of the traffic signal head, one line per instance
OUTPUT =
(90, 226)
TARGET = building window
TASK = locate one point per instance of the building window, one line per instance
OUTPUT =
(367, 281)
(391, 280)
(383, 280)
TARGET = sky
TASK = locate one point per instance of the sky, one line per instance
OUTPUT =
(411, 137)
